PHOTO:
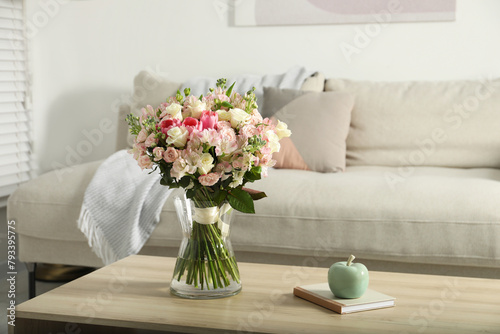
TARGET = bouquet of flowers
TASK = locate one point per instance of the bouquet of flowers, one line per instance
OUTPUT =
(211, 146)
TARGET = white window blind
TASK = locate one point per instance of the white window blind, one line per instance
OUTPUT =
(15, 115)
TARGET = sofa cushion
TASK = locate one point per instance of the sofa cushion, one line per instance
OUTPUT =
(319, 123)
(277, 98)
(438, 215)
(446, 124)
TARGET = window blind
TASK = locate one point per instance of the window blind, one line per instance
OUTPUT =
(15, 115)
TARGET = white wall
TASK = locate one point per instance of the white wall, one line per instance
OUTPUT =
(86, 53)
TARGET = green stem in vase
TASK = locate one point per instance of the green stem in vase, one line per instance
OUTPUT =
(205, 262)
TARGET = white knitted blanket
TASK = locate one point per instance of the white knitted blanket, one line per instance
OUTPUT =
(122, 204)
(121, 207)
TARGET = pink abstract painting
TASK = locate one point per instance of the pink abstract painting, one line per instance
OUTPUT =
(295, 12)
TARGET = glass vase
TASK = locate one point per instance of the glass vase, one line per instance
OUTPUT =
(206, 267)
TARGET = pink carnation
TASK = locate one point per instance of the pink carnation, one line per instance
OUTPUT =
(209, 179)
(227, 134)
(256, 117)
(223, 125)
(249, 130)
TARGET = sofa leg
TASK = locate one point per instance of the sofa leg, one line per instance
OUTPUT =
(31, 266)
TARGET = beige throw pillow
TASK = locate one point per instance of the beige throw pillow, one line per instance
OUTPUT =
(319, 123)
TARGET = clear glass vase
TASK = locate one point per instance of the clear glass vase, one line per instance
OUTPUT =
(206, 267)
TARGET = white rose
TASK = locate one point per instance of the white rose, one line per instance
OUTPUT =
(238, 116)
(273, 139)
(175, 109)
(224, 115)
(196, 108)
(205, 164)
(282, 130)
(177, 136)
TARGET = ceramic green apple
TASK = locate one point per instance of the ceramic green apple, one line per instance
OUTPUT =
(347, 279)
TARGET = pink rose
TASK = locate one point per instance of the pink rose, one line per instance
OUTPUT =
(144, 161)
(209, 119)
(170, 155)
(158, 153)
(209, 179)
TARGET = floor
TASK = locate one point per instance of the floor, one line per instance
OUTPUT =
(21, 276)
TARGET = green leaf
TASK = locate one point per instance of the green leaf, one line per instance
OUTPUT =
(226, 182)
(255, 194)
(230, 90)
(184, 181)
(253, 175)
(227, 105)
(241, 200)
(219, 196)
(190, 193)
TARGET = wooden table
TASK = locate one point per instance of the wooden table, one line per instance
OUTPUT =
(132, 296)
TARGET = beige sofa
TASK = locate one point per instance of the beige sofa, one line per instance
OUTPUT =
(421, 191)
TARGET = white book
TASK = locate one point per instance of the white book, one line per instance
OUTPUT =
(320, 294)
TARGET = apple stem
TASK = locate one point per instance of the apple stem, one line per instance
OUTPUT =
(351, 258)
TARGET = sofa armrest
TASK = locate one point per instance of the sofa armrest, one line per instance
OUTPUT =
(122, 128)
